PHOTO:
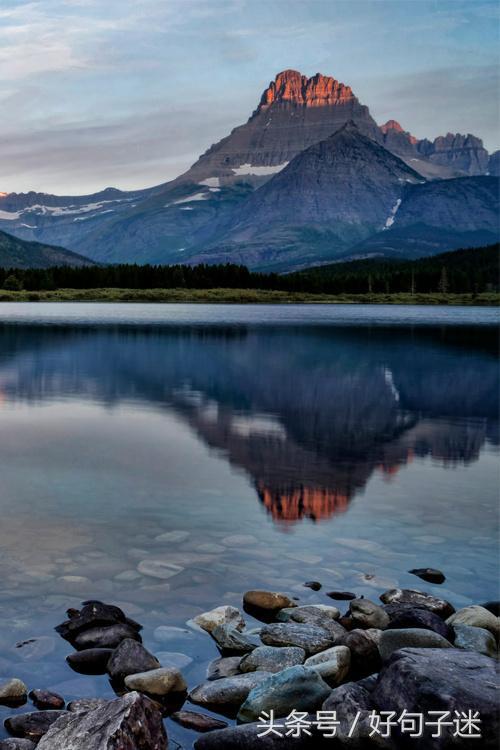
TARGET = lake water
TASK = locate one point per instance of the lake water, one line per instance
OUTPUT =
(344, 444)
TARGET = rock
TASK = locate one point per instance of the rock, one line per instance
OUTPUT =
(157, 682)
(477, 617)
(493, 607)
(246, 737)
(44, 699)
(418, 599)
(14, 743)
(311, 638)
(332, 665)
(230, 641)
(197, 722)
(128, 723)
(90, 660)
(265, 604)
(220, 616)
(367, 614)
(157, 568)
(32, 726)
(93, 614)
(227, 666)
(314, 585)
(13, 692)
(315, 614)
(227, 694)
(353, 705)
(105, 637)
(393, 640)
(341, 595)
(471, 638)
(86, 704)
(421, 618)
(128, 658)
(429, 574)
(297, 688)
(451, 679)
(365, 657)
(272, 659)
(349, 698)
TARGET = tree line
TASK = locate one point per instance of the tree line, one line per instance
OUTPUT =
(470, 270)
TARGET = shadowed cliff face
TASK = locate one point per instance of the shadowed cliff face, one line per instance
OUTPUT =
(309, 415)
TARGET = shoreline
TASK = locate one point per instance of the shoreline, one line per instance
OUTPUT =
(246, 296)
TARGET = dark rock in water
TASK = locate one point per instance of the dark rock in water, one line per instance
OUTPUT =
(93, 614)
(224, 667)
(314, 585)
(246, 737)
(32, 726)
(105, 637)
(311, 638)
(493, 607)
(230, 641)
(226, 695)
(86, 704)
(365, 657)
(14, 743)
(44, 699)
(429, 574)
(197, 722)
(447, 679)
(341, 596)
(419, 599)
(414, 617)
(130, 723)
(128, 658)
(90, 660)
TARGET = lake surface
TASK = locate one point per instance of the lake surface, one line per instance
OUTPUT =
(345, 444)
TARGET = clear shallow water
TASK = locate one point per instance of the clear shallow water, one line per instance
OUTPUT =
(342, 444)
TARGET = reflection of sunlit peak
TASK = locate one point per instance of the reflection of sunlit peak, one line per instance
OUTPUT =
(258, 424)
(293, 504)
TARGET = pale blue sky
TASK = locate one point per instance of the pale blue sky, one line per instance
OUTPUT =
(128, 93)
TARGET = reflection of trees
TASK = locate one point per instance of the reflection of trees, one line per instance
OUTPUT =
(309, 413)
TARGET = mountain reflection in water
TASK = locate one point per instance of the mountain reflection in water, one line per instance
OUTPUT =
(308, 413)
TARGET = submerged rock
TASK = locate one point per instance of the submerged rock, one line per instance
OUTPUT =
(272, 659)
(197, 722)
(418, 599)
(297, 688)
(90, 660)
(392, 640)
(128, 723)
(227, 694)
(128, 658)
(220, 616)
(429, 574)
(13, 692)
(477, 617)
(157, 682)
(44, 699)
(311, 638)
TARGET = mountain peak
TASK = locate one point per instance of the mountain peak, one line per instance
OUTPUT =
(291, 87)
(391, 125)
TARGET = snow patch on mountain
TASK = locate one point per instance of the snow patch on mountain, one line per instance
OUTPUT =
(247, 169)
(390, 219)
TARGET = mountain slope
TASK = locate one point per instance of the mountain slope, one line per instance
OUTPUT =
(16, 253)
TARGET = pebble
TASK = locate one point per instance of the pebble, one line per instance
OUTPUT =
(429, 574)
(197, 722)
(13, 692)
(268, 601)
(44, 699)
(314, 585)
(341, 595)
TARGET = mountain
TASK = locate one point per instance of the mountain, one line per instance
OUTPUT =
(494, 164)
(16, 253)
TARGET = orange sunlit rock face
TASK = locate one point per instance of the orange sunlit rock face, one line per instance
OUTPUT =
(396, 127)
(292, 87)
(292, 505)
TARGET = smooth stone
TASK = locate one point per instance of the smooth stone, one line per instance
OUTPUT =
(105, 637)
(32, 726)
(44, 699)
(127, 723)
(341, 595)
(312, 613)
(477, 617)
(393, 640)
(421, 618)
(472, 638)
(228, 693)
(314, 585)
(272, 659)
(311, 638)
(90, 660)
(157, 682)
(13, 692)
(128, 658)
(197, 722)
(167, 633)
(365, 657)
(341, 653)
(93, 614)
(332, 665)
(174, 537)
(450, 678)
(225, 667)
(159, 569)
(15, 743)
(230, 641)
(174, 659)
(367, 614)
(431, 575)
(225, 615)
(298, 688)
(419, 599)
(269, 601)
(249, 737)
(86, 704)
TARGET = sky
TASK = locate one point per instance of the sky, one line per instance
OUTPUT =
(128, 93)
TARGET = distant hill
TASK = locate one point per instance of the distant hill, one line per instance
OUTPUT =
(16, 253)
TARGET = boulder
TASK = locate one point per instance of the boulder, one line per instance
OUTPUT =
(418, 599)
(105, 637)
(392, 640)
(225, 667)
(413, 617)
(93, 614)
(32, 726)
(365, 657)
(90, 660)
(45, 700)
(353, 705)
(475, 639)
(272, 659)
(367, 614)
(252, 737)
(267, 601)
(129, 723)
(227, 694)
(477, 617)
(128, 658)
(15, 743)
(197, 722)
(311, 638)
(298, 687)
(333, 664)
(315, 614)
(448, 679)
(493, 607)
(13, 692)
(157, 682)
(230, 641)
(220, 616)
(431, 575)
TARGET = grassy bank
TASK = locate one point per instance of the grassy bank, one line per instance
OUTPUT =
(243, 296)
